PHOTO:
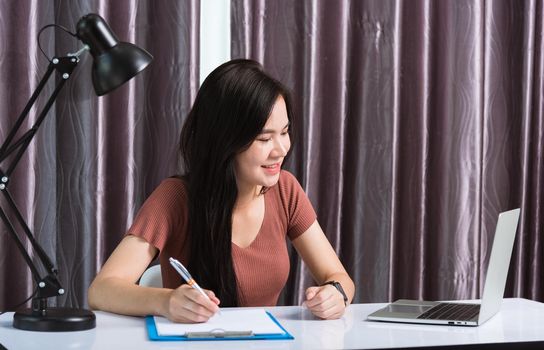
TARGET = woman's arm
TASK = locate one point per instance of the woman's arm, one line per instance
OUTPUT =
(115, 290)
(317, 253)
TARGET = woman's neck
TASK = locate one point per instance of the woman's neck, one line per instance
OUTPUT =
(246, 196)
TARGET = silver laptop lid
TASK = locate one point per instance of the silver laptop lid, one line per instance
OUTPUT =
(495, 282)
(499, 261)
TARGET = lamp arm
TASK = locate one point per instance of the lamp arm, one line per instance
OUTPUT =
(48, 285)
(65, 66)
(46, 262)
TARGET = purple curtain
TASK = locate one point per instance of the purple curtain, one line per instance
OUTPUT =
(419, 121)
(94, 160)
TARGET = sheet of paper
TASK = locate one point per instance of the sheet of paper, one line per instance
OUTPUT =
(233, 320)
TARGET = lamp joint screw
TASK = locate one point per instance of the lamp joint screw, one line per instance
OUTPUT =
(55, 60)
(2, 186)
(65, 76)
(4, 179)
(41, 284)
(73, 59)
(61, 291)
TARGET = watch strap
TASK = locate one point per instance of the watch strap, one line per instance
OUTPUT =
(339, 288)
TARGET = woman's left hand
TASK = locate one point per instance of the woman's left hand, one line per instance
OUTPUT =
(325, 302)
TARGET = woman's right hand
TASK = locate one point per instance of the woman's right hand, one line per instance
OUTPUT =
(186, 305)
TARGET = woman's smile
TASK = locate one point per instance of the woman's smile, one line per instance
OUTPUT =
(272, 169)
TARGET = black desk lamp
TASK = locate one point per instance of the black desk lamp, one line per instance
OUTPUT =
(114, 63)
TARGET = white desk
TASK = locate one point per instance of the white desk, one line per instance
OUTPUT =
(520, 320)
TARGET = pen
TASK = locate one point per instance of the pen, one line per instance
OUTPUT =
(187, 276)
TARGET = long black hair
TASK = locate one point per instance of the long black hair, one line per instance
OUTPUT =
(230, 110)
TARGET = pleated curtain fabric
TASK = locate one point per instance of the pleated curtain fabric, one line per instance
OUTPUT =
(417, 123)
(94, 160)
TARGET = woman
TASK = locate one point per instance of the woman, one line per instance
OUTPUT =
(227, 218)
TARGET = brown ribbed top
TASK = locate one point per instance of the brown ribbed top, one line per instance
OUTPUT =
(262, 268)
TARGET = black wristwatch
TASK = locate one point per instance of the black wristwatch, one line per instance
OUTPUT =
(338, 287)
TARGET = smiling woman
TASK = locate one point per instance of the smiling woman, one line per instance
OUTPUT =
(260, 164)
(228, 216)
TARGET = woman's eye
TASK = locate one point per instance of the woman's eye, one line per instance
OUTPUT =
(264, 140)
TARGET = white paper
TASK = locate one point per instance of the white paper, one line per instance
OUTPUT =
(230, 320)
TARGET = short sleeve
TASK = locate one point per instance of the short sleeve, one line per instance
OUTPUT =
(299, 209)
(162, 214)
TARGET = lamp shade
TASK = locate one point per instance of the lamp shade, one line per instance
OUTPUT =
(114, 62)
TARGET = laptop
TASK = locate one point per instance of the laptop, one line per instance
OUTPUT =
(463, 314)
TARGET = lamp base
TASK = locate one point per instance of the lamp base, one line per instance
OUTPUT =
(55, 319)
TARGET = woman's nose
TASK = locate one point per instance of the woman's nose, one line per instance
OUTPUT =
(281, 147)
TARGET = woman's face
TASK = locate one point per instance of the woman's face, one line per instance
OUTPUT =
(260, 164)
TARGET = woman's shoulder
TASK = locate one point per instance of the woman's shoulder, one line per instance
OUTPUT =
(287, 180)
(286, 177)
(173, 182)
(163, 213)
(170, 191)
(296, 205)
(288, 187)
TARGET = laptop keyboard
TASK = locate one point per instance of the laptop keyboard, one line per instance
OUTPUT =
(450, 311)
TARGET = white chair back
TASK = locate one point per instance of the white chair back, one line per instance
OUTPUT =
(152, 277)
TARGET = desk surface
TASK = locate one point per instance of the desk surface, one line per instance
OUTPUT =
(519, 320)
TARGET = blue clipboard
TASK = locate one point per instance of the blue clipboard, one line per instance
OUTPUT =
(153, 335)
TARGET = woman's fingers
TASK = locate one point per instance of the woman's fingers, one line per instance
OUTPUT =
(189, 305)
(325, 302)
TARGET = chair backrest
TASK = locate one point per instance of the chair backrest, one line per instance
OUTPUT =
(152, 277)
